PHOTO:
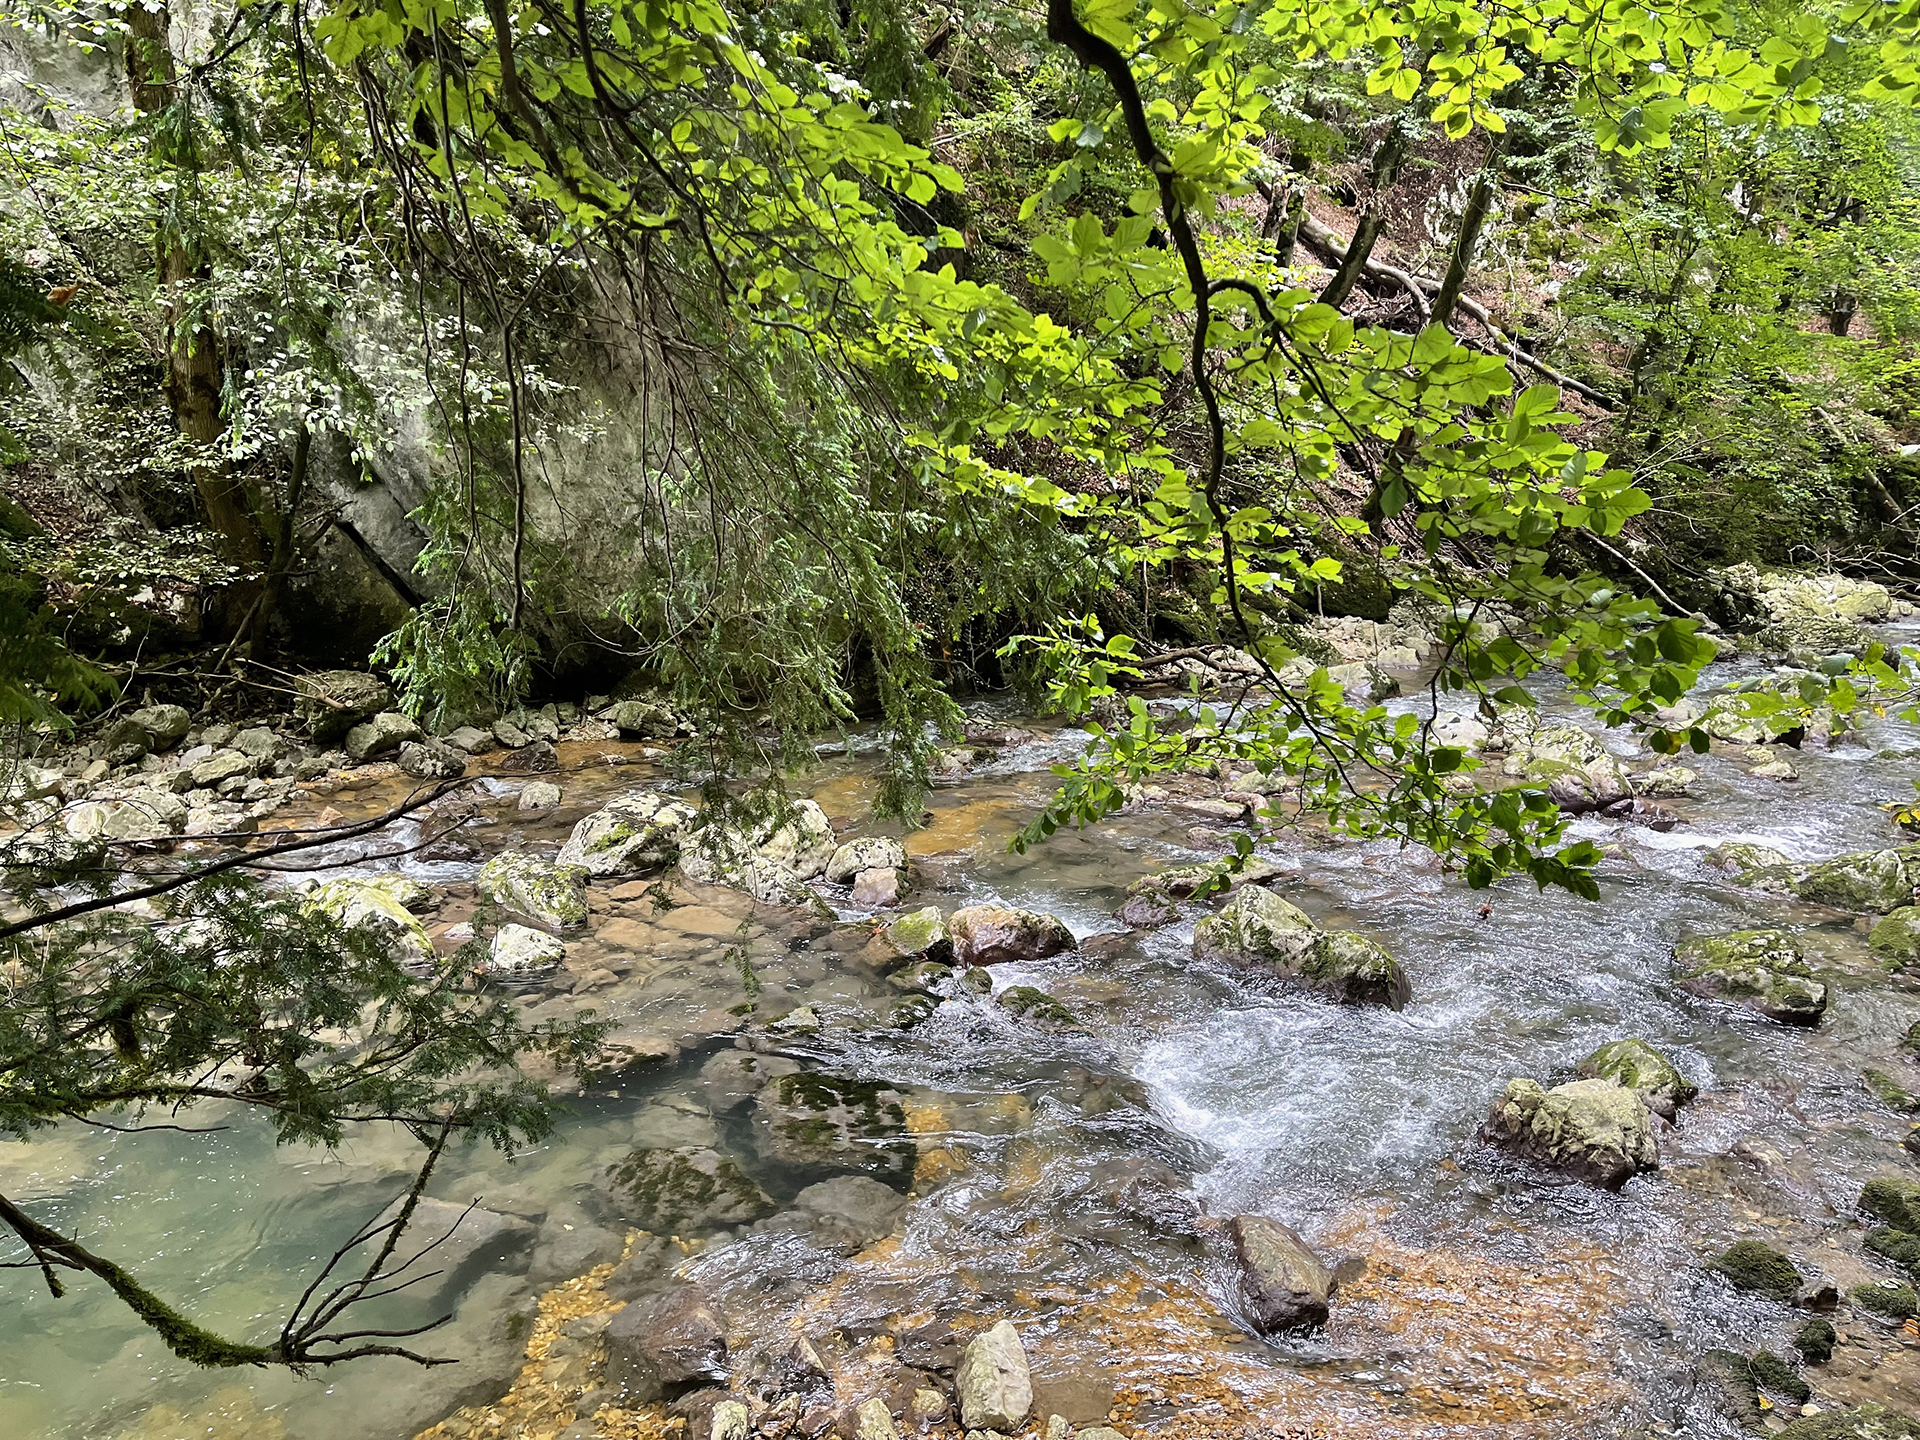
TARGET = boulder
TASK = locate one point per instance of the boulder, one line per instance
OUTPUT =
(998, 934)
(165, 725)
(554, 895)
(686, 1191)
(1872, 882)
(1743, 859)
(220, 767)
(921, 935)
(1668, 782)
(992, 1383)
(646, 720)
(146, 815)
(537, 757)
(769, 859)
(1759, 1269)
(1896, 939)
(377, 907)
(818, 1122)
(1761, 969)
(876, 889)
(259, 743)
(521, 953)
(537, 797)
(332, 702)
(1645, 1071)
(1036, 1007)
(469, 739)
(664, 1344)
(873, 852)
(122, 742)
(1283, 1284)
(1578, 771)
(850, 1212)
(388, 730)
(431, 760)
(1594, 1130)
(641, 830)
(1258, 928)
(1814, 1340)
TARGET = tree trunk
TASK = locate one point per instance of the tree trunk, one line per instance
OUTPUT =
(1472, 218)
(1387, 156)
(194, 369)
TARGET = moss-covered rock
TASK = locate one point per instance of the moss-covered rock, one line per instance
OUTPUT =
(1814, 1340)
(1594, 1130)
(1889, 1299)
(1896, 939)
(378, 907)
(639, 831)
(1871, 882)
(1899, 1246)
(1893, 1202)
(687, 1191)
(1729, 1380)
(1762, 969)
(921, 935)
(1641, 1068)
(1038, 1008)
(555, 895)
(1258, 928)
(1759, 1269)
(1888, 1091)
(1778, 1376)
(813, 1122)
(1578, 771)
(1863, 1422)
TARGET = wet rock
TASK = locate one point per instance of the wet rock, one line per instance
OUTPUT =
(665, 1344)
(554, 895)
(1758, 1269)
(1814, 1340)
(431, 760)
(1645, 1071)
(1258, 928)
(832, 1122)
(1741, 858)
(1037, 1007)
(1893, 1202)
(770, 860)
(998, 934)
(923, 977)
(165, 725)
(521, 953)
(639, 831)
(1896, 939)
(1776, 1375)
(1761, 969)
(538, 757)
(730, 1421)
(379, 908)
(1888, 1091)
(1668, 782)
(333, 701)
(1283, 1283)
(1863, 1422)
(386, 731)
(850, 1212)
(871, 853)
(1873, 882)
(685, 1191)
(875, 889)
(1729, 1380)
(1147, 908)
(992, 1383)
(537, 797)
(1576, 770)
(921, 935)
(1889, 1299)
(1779, 770)
(628, 1050)
(1594, 1130)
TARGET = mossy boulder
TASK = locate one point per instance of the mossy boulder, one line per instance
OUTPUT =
(815, 1122)
(1893, 1202)
(1577, 771)
(1901, 1247)
(378, 907)
(1871, 882)
(685, 1191)
(1758, 1269)
(1895, 941)
(1889, 1299)
(1761, 969)
(554, 895)
(999, 934)
(1814, 1340)
(1863, 1422)
(921, 935)
(1888, 1091)
(1777, 1375)
(1759, 866)
(1645, 1071)
(1258, 928)
(1037, 1008)
(639, 831)
(1594, 1130)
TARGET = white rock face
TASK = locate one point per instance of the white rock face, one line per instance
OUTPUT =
(770, 863)
(641, 830)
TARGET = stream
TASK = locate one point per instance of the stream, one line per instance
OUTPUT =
(1058, 1176)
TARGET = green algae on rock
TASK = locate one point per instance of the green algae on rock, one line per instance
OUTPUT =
(687, 1190)
(378, 907)
(1814, 1340)
(814, 1122)
(639, 831)
(1645, 1071)
(1863, 1422)
(555, 895)
(1773, 1373)
(1759, 1269)
(1889, 1299)
(1762, 969)
(1896, 939)
(1893, 1202)
(1038, 1008)
(1872, 882)
(1258, 928)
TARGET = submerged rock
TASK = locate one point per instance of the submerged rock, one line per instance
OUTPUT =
(1743, 859)
(1761, 969)
(555, 895)
(1594, 1130)
(690, 1190)
(818, 1122)
(993, 1383)
(998, 934)
(664, 1344)
(849, 1212)
(1258, 928)
(1284, 1285)
(1893, 1202)
(639, 831)
(1645, 1071)
(1037, 1008)
(1759, 1269)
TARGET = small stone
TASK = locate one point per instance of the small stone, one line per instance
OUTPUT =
(872, 1420)
(1775, 770)
(731, 1421)
(1057, 1428)
(539, 795)
(929, 1405)
(993, 1383)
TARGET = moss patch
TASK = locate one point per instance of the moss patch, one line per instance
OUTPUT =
(1814, 1340)
(1889, 1301)
(1758, 1269)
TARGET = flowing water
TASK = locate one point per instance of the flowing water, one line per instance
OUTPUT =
(1058, 1175)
